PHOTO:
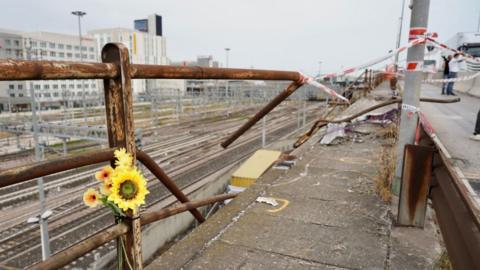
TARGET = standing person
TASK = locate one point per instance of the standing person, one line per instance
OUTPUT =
(454, 68)
(476, 133)
(446, 70)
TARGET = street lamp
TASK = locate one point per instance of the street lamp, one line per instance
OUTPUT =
(227, 51)
(80, 14)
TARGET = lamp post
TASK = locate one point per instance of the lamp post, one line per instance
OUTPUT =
(227, 51)
(80, 14)
(399, 36)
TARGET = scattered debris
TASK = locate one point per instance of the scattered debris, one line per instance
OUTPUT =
(333, 131)
(267, 200)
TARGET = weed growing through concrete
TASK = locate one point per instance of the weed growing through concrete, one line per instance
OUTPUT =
(386, 171)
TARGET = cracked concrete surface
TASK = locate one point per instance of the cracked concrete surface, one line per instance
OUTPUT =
(332, 220)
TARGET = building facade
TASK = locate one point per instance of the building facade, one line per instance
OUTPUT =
(15, 95)
(146, 45)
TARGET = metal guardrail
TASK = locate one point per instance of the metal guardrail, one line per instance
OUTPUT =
(456, 205)
(117, 73)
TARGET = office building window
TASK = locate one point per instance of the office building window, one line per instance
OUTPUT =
(53, 54)
(16, 42)
(46, 86)
(63, 86)
(69, 55)
(55, 86)
(77, 55)
(61, 54)
(86, 86)
(51, 45)
(12, 94)
(91, 49)
(43, 44)
(20, 94)
(93, 85)
(43, 53)
(11, 86)
(20, 86)
(92, 56)
(84, 56)
(71, 86)
(79, 86)
(79, 94)
(47, 95)
(8, 42)
(61, 46)
(84, 48)
(34, 43)
(8, 51)
(55, 94)
(77, 48)
(69, 47)
(36, 86)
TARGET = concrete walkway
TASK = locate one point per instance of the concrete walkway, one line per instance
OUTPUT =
(454, 124)
(328, 217)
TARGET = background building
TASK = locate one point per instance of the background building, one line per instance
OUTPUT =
(15, 95)
(146, 45)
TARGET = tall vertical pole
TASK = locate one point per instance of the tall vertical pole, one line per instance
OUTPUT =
(478, 26)
(413, 83)
(227, 93)
(80, 14)
(399, 36)
(41, 193)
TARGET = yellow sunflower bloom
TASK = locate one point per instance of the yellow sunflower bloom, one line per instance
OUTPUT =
(124, 159)
(104, 174)
(91, 197)
(129, 188)
(106, 187)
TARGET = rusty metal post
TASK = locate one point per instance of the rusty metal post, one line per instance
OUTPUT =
(119, 111)
(416, 176)
(265, 110)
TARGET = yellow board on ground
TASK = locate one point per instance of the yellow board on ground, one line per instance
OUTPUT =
(254, 167)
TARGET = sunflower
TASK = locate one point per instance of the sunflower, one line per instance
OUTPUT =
(91, 197)
(128, 190)
(124, 159)
(106, 188)
(104, 174)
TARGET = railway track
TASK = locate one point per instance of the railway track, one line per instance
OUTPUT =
(181, 158)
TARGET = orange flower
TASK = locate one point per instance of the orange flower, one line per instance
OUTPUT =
(106, 187)
(91, 197)
(104, 174)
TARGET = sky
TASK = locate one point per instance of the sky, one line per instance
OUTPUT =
(267, 34)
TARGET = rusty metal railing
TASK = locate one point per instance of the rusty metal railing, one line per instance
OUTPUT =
(117, 73)
(456, 205)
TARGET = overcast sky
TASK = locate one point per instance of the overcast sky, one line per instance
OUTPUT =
(273, 34)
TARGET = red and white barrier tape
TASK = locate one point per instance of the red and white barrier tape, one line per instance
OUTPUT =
(459, 79)
(375, 61)
(311, 81)
(445, 47)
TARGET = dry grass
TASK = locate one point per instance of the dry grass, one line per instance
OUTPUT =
(386, 171)
(443, 263)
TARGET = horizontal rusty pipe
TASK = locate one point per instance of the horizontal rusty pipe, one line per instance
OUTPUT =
(180, 72)
(38, 169)
(12, 70)
(167, 182)
(265, 110)
(69, 254)
(322, 122)
(152, 216)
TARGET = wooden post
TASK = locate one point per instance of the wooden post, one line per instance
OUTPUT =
(119, 111)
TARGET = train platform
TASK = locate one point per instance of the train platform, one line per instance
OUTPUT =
(328, 216)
